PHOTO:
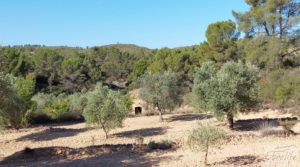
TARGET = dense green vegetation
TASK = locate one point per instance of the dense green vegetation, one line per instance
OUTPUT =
(270, 17)
(50, 83)
(12, 106)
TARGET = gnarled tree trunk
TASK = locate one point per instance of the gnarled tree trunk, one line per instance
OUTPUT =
(230, 120)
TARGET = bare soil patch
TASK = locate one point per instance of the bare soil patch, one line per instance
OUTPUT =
(124, 155)
(77, 145)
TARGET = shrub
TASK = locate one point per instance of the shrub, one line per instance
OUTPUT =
(203, 137)
(162, 145)
(12, 107)
(51, 108)
(152, 145)
(105, 108)
(12, 113)
(165, 144)
(59, 108)
(77, 103)
(288, 125)
(26, 88)
(38, 113)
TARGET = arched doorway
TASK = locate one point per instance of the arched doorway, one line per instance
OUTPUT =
(138, 110)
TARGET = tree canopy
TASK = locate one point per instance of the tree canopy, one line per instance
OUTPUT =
(270, 17)
(220, 34)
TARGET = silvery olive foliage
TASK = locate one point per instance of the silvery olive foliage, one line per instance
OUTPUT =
(226, 91)
(106, 108)
(162, 91)
(205, 136)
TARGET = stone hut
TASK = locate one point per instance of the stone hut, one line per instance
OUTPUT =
(138, 105)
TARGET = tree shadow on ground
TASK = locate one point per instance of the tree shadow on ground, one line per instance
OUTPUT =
(145, 132)
(188, 117)
(104, 155)
(54, 123)
(243, 160)
(259, 123)
(51, 133)
(126, 159)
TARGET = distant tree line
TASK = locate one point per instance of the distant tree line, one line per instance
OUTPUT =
(51, 82)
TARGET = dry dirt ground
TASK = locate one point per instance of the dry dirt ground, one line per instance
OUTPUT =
(77, 145)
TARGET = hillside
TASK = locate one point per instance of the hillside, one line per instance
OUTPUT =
(130, 48)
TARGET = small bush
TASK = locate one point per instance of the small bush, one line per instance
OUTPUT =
(288, 126)
(203, 137)
(51, 108)
(59, 109)
(77, 103)
(165, 144)
(25, 88)
(12, 107)
(12, 113)
(152, 145)
(38, 113)
(162, 145)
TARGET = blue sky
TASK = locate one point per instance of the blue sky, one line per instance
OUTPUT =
(150, 23)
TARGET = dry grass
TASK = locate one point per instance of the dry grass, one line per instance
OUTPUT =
(242, 148)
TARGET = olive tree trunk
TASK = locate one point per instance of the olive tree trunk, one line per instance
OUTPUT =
(206, 153)
(161, 119)
(106, 134)
(230, 120)
(104, 129)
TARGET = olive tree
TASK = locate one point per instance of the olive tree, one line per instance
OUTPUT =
(226, 91)
(161, 91)
(105, 108)
(203, 137)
